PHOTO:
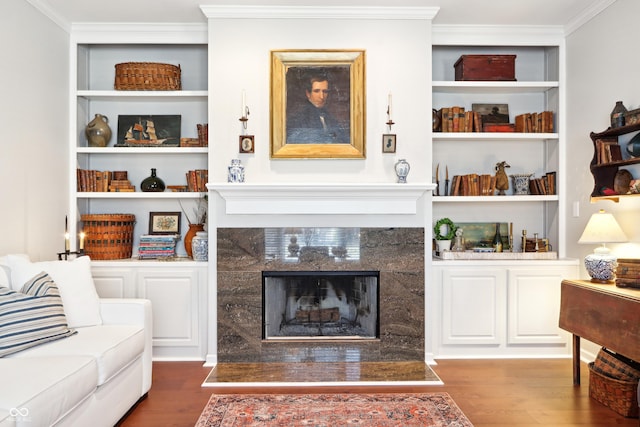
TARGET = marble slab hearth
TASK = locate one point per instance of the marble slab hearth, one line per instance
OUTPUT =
(397, 253)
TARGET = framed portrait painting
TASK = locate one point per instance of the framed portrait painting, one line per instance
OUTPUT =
(317, 104)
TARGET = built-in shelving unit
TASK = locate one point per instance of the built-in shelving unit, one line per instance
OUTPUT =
(94, 54)
(538, 88)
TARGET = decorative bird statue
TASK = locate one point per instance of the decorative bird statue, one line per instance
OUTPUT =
(502, 180)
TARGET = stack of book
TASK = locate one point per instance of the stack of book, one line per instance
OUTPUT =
(197, 180)
(544, 185)
(157, 246)
(101, 181)
(535, 122)
(628, 273)
(456, 119)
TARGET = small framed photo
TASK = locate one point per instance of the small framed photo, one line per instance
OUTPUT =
(389, 143)
(246, 144)
(164, 222)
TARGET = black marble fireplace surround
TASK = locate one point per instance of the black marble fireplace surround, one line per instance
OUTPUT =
(245, 253)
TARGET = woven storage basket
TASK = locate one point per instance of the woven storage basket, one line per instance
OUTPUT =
(108, 236)
(621, 396)
(616, 366)
(147, 76)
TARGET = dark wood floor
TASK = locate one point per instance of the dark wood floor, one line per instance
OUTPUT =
(531, 392)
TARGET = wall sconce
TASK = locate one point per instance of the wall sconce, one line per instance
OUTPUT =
(389, 120)
(602, 228)
(244, 117)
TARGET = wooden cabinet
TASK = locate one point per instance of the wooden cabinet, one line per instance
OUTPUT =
(603, 169)
(488, 309)
(178, 294)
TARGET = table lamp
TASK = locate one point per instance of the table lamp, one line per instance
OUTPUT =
(601, 228)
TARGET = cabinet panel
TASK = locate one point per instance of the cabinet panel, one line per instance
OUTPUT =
(473, 306)
(174, 295)
(534, 306)
(114, 282)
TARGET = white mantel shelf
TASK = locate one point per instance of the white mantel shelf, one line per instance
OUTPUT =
(321, 198)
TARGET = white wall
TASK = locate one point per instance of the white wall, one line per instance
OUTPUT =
(602, 68)
(34, 121)
(398, 56)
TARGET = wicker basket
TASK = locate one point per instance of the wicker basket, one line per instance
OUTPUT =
(621, 396)
(108, 236)
(147, 76)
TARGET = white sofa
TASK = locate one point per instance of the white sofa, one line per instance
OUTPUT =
(92, 377)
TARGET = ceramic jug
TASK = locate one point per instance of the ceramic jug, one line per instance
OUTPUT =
(98, 132)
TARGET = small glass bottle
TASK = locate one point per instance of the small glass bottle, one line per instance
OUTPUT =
(617, 115)
(497, 239)
(152, 183)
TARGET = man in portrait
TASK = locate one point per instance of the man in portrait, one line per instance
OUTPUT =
(310, 120)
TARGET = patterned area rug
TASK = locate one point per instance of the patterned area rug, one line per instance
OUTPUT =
(332, 410)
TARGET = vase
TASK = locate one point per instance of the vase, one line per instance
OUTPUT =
(521, 183)
(236, 171)
(617, 115)
(443, 245)
(98, 132)
(188, 237)
(200, 246)
(152, 183)
(402, 168)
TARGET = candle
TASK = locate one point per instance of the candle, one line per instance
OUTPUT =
(244, 103)
(389, 106)
(82, 240)
(66, 234)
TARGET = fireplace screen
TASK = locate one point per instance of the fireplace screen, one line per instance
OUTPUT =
(317, 305)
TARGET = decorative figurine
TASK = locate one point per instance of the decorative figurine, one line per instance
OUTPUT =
(502, 180)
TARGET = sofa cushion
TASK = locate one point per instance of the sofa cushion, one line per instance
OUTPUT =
(44, 390)
(79, 296)
(113, 347)
(31, 317)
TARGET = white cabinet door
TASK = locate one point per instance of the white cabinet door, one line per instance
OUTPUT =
(175, 297)
(473, 306)
(114, 282)
(534, 305)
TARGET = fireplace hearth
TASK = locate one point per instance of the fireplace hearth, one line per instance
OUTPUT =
(320, 305)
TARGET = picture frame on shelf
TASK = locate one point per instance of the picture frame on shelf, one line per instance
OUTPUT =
(149, 130)
(389, 143)
(165, 222)
(492, 113)
(317, 104)
(246, 144)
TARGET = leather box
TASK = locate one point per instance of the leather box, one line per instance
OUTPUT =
(486, 68)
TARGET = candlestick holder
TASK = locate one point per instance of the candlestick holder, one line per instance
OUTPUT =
(67, 253)
(390, 122)
(245, 117)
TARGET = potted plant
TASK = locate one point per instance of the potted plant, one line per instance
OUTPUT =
(443, 231)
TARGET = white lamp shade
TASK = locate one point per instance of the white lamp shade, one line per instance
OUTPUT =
(602, 228)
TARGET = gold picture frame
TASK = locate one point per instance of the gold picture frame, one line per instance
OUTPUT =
(299, 78)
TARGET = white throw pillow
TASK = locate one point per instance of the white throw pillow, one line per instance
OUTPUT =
(5, 271)
(78, 292)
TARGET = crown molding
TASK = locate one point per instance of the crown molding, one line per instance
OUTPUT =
(139, 33)
(47, 11)
(497, 34)
(587, 15)
(318, 12)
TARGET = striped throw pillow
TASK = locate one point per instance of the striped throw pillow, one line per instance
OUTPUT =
(31, 317)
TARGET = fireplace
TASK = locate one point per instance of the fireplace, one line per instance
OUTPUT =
(315, 305)
(318, 227)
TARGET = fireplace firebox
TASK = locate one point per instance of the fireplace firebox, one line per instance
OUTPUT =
(320, 305)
